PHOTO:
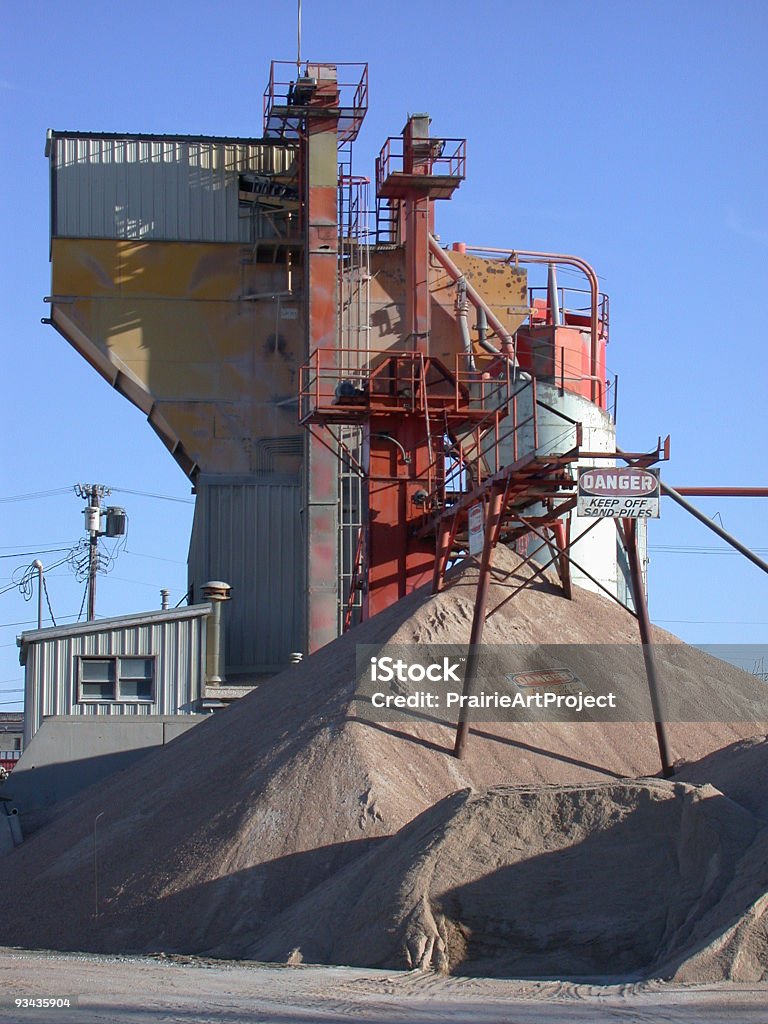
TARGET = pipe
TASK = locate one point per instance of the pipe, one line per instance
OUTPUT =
(552, 297)
(217, 593)
(723, 534)
(384, 436)
(482, 327)
(507, 341)
(462, 314)
(530, 256)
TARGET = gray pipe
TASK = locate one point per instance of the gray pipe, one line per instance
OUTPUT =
(552, 296)
(462, 314)
(507, 341)
(482, 327)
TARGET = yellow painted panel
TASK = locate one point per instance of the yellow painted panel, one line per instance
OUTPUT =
(223, 370)
(504, 288)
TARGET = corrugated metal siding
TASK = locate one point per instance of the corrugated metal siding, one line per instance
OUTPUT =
(162, 189)
(249, 534)
(178, 647)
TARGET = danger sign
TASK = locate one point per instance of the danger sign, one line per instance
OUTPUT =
(476, 528)
(623, 492)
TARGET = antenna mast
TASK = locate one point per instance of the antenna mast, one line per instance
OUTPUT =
(298, 50)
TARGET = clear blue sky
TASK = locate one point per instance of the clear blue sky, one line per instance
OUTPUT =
(631, 134)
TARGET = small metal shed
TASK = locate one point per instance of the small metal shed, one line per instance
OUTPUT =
(152, 663)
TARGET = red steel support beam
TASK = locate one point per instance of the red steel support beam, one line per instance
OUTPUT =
(562, 532)
(492, 529)
(710, 524)
(444, 542)
(628, 532)
(529, 524)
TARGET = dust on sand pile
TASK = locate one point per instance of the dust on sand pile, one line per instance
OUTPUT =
(204, 842)
(622, 879)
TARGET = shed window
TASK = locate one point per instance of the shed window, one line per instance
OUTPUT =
(118, 679)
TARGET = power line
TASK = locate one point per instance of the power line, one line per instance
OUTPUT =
(713, 622)
(151, 494)
(156, 558)
(35, 494)
(700, 549)
(40, 551)
(82, 603)
(29, 622)
(20, 584)
(29, 544)
(48, 600)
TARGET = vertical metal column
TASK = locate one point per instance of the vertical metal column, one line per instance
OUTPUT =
(562, 532)
(321, 291)
(416, 160)
(492, 529)
(628, 532)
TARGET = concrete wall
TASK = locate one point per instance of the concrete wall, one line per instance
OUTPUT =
(70, 753)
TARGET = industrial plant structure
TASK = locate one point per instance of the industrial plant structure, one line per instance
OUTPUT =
(340, 388)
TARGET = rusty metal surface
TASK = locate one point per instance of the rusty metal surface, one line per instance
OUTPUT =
(320, 511)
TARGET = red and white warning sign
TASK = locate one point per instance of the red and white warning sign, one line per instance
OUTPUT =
(614, 492)
(476, 528)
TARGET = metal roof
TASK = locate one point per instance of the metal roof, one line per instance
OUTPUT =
(237, 140)
(31, 636)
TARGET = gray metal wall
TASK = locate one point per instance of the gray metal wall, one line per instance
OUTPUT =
(248, 533)
(152, 188)
(70, 753)
(177, 640)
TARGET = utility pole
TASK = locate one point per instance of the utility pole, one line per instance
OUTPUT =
(93, 554)
(38, 567)
(92, 493)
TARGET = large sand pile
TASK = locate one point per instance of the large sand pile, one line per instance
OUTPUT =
(206, 841)
(613, 878)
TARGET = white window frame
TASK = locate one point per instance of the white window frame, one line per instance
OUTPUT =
(116, 697)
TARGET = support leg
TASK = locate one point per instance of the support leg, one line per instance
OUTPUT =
(628, 532)
(492, 529)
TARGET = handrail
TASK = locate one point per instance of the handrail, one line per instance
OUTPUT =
(476, 451)
(452, 163)
(532, 256)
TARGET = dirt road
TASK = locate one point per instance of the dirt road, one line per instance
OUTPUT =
(148, 990)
